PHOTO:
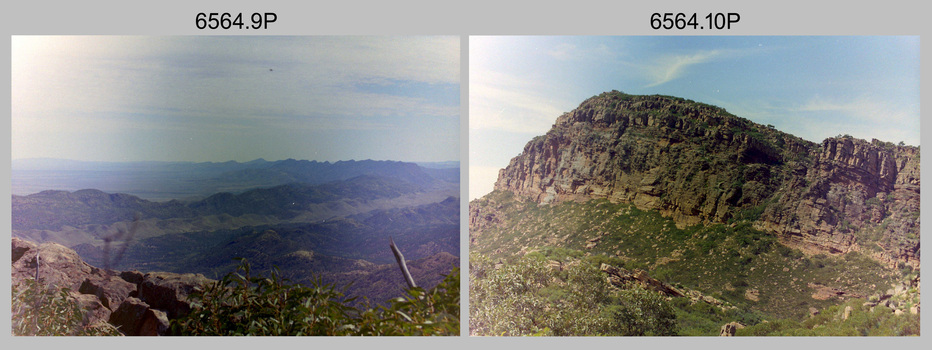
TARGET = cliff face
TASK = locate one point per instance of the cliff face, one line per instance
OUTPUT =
(855, 195)
(697, 163)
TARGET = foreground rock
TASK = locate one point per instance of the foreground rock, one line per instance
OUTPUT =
(135, 303)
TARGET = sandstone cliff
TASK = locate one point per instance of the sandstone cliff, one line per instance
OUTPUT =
(698, 163)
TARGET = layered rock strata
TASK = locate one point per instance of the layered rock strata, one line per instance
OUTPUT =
(698, 163)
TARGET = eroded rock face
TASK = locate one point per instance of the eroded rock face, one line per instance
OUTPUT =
(855, 196)
(699, 164)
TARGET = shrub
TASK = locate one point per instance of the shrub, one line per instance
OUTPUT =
(643, 313)
(421, 312)
(241, 304)
(47, 310)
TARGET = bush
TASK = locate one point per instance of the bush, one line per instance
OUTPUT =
(530, 298)
(50, 311)
(643, 313)
(421, 312)
(240, 304)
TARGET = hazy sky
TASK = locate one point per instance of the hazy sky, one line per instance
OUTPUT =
(111, 98)
(812, 87)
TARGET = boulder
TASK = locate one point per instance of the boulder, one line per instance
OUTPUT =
(154, 322)
(111, 289)
(57, 265)
(752, 294)
(94, 310)
(129, 316)
(169, 291)
(729, 329)
(134, 277)
(813, 311)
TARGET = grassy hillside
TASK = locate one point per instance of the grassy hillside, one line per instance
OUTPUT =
(749, 270)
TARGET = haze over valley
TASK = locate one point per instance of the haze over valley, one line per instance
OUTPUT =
(307, 218)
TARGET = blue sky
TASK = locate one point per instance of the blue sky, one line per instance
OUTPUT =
(813, 87)
(113, 98)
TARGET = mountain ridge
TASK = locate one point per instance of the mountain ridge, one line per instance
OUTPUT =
(697, 163)
(163, 181)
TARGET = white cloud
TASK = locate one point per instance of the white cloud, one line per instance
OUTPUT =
(669, 68)
(66, 86)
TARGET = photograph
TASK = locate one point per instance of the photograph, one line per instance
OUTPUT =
(235, 185)
(694, 185)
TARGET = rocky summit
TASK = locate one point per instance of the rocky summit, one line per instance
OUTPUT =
(699, 164)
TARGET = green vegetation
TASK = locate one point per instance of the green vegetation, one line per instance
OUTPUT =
(243, 304)
(530, 297)
(730, 211)
(756, 276)
(561, 292)
(50, 311)
(862, 320)
(640, 312)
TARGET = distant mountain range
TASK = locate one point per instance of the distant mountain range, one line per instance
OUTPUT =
(309, 219)
(162, 181)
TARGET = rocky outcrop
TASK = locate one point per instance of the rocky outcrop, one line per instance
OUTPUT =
(698, 163)
(136, 303)
(855, 196)
(109, 289)
(53, 263)
(729, 329)
(136, 317)
(623, 278)
(169, 291)
(903, 297)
